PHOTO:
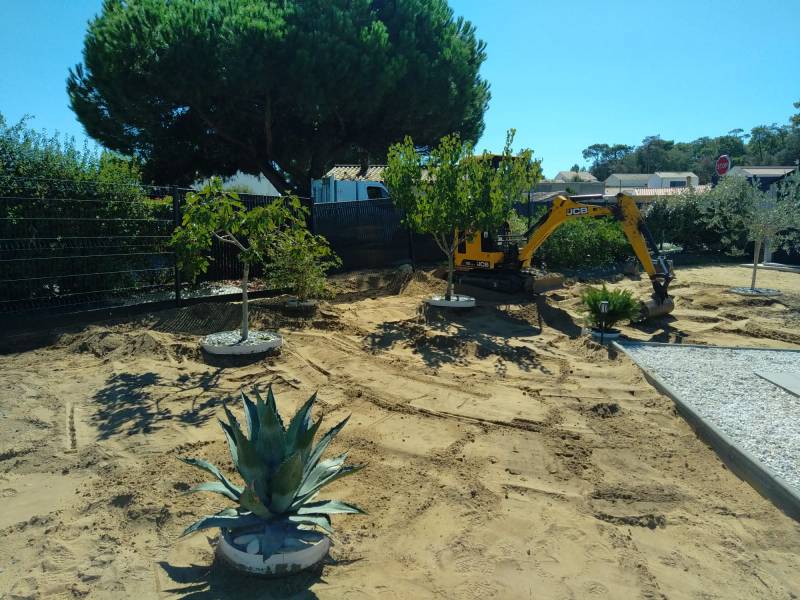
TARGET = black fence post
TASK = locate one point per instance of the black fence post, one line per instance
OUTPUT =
(176, 221)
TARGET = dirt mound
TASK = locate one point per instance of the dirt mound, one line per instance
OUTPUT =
(109, 344)
(421, 283)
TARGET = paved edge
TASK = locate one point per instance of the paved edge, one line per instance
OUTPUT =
(763, 479)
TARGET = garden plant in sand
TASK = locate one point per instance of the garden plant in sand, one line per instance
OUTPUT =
(217, 214)
(762, 216)
(277, 525)
(449, 192)
(621, 305)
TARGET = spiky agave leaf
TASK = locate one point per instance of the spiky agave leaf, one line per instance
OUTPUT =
(321, 521)
(300, 423)
(322, 445)
(230, 438)
(249, 464)
(270, 441)
(329, 507)
(231, 522)
(214, 486)
(251, 416)
(209, 468)
(250, 501)
(311, 489)
(286, 482)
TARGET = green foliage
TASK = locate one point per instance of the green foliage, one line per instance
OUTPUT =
(680, 220)
(740, 212)
(300, 261)
(621, 306)
(578, 242)
(764, 145)
(450, 192)
(216, 213)
(282, 472)
(76, 202)
(284, 88)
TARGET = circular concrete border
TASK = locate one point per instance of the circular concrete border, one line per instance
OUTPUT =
(277, 565)
(256, 343)
(456, 301)
(608, 335)
(757, 292)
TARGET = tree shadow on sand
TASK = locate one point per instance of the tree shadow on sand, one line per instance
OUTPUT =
(450, 337)
(137, 403)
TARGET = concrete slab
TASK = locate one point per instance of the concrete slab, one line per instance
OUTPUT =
(787, 381)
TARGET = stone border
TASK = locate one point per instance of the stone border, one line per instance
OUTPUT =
(763, 479)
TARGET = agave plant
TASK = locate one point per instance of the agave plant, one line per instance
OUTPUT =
(282, 472)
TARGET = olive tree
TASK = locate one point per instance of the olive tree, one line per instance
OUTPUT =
(736, 203)
(451, 192)
(215, 213)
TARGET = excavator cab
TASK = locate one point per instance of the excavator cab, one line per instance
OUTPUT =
(503, 261)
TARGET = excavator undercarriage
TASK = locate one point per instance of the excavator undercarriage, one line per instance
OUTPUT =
(503, 262)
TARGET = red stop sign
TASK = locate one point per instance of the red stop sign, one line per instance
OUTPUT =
(723, 164)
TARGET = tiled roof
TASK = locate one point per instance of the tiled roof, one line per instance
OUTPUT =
(374, 172)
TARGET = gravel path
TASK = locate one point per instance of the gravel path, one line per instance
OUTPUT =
(722, 387)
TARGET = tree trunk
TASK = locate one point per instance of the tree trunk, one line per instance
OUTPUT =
(450, 268)
(245, 329)
(756, 252)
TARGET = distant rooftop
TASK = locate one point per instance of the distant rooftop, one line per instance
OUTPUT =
(568, 176)
(769, 171)
(672, 174)
(630, 179)
(373, 172)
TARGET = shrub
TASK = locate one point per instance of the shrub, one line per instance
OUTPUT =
(585, 242)
(300, 261)
(621, 305)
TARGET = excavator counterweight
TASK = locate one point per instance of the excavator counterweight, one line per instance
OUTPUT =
(503, 262)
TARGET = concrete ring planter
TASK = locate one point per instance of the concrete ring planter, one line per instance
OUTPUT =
(455, 301)
(276, 565)
(611, 334)
(229, 343)
(301, 307)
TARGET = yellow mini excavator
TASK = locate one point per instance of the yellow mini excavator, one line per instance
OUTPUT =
(503, 261)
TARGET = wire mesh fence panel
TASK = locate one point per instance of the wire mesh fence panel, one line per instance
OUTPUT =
(370, 234)
(67, 246)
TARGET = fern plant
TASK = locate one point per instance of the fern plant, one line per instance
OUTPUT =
(621, 305)
(282, 473)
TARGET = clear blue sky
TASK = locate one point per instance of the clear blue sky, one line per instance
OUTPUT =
(564, 74)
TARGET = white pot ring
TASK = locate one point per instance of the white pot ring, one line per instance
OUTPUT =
(455, 301)
(294, 303)
(229, 343)
(608, 335)
(276, 565)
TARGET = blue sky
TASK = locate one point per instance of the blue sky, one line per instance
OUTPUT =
(564, 74)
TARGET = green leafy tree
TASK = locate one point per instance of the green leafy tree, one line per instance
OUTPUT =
(760, 215)
(217, 214)
(206, 87)
(449, 193)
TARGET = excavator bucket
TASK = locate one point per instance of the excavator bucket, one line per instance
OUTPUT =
(652, 308)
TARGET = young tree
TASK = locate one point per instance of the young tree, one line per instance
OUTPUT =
(449, 193)
(206, 87)
(300, 261)
(771, 215)
(215, 213)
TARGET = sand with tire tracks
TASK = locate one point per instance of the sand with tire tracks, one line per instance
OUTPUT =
(508, 456)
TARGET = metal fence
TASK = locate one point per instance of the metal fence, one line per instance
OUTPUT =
(68, 247)
(370, 234)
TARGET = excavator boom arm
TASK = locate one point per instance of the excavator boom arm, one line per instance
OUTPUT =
(626, 212)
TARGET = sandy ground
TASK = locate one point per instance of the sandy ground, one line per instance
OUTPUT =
(508, 456)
